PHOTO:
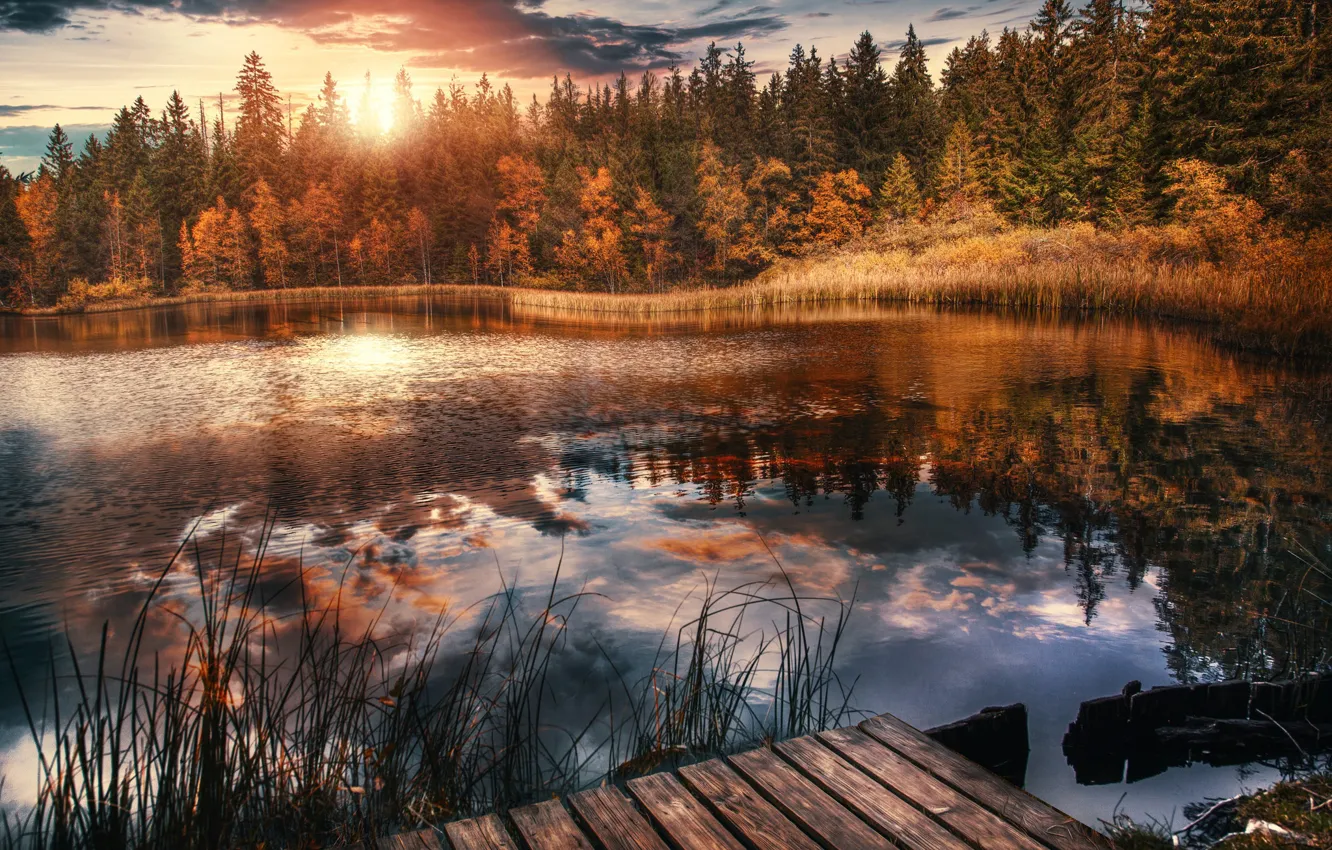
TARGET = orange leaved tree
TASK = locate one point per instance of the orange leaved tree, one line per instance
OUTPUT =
(839, 208)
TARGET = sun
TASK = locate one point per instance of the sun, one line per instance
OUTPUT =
(375, 104)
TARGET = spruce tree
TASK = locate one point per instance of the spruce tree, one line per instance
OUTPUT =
(917, 127)
(59, 158)
(864, 109)
(15, 245)
(260, 130)
(899, 197)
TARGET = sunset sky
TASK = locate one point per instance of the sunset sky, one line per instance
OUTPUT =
(76, 61)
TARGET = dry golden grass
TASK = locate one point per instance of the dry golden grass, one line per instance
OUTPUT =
(1259, 291)
(1273, 295)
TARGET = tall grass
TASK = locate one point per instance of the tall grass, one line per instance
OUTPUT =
(298, 731)
(699, 698)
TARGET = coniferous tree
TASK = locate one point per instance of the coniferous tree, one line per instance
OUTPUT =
(15, 245)
(260, 134)
(864, 113)
(1084, 116)
(917, 124)
(59, 158)
(899, 197)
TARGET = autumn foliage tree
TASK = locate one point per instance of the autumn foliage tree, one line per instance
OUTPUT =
(725, 208)
(216, 251)
(651, 226)
(840, 208)
(1114, 113)
(268, 218)
(521, 198)
(595, 251)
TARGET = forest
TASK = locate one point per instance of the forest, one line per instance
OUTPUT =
(1115, 116)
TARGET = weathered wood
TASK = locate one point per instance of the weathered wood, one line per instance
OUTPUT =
(994, 737)
(803, 802)
(964, 815)
(1013, 804)
(547, 826)
(423, 840)
(1162, 706)
(483, 833)
(1274, 700)
(612, 819)
(737, 803)
(1228, 700)
(885, 810)
(684, 820)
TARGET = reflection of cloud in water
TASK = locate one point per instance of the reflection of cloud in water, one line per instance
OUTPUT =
(983, 514)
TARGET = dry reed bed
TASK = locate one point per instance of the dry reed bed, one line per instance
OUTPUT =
(1272, 295)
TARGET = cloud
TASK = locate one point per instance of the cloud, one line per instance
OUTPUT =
(948, 13)
(11, 110)
(511, 37)
(888, 46)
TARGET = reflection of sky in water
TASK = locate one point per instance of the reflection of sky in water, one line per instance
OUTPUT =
(1002, 495)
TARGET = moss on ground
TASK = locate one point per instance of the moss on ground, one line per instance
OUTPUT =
(1304, 807)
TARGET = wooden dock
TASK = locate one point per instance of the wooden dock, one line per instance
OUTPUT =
(882, 784)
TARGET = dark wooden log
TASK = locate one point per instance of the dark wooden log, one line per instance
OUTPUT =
(1160, 706)
(1228, 700)
(1273, 701)
(1320, 700)
(995, 738)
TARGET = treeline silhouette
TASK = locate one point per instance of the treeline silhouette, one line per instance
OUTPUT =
(1099, 115)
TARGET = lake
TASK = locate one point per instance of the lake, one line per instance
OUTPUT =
(1027, 508)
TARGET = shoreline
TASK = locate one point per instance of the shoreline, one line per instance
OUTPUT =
(1233, 307)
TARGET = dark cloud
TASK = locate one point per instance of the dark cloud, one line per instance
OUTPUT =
(513, 37)
(948, 13)
(10, 110)
(888, 46)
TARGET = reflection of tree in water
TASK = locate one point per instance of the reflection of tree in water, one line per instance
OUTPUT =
(1129, 474)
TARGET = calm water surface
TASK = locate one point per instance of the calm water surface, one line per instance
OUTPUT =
(1028, 510)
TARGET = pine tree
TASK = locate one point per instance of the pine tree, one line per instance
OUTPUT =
(864, 114)
(736, 121)
(899, 197)
(807, 110)
(917, 127)
(58, 161)
(260, 130)
(957, 177)
(178, 170)
(15, 246)
(145, 242)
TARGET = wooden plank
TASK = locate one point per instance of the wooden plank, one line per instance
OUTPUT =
(1004, 799)
(964, 815)
(614, 821)
(423, 840)
(886, 811)
(684, 820)
(483, 833)
(737, 803)
(547, 826)
(802, 801)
